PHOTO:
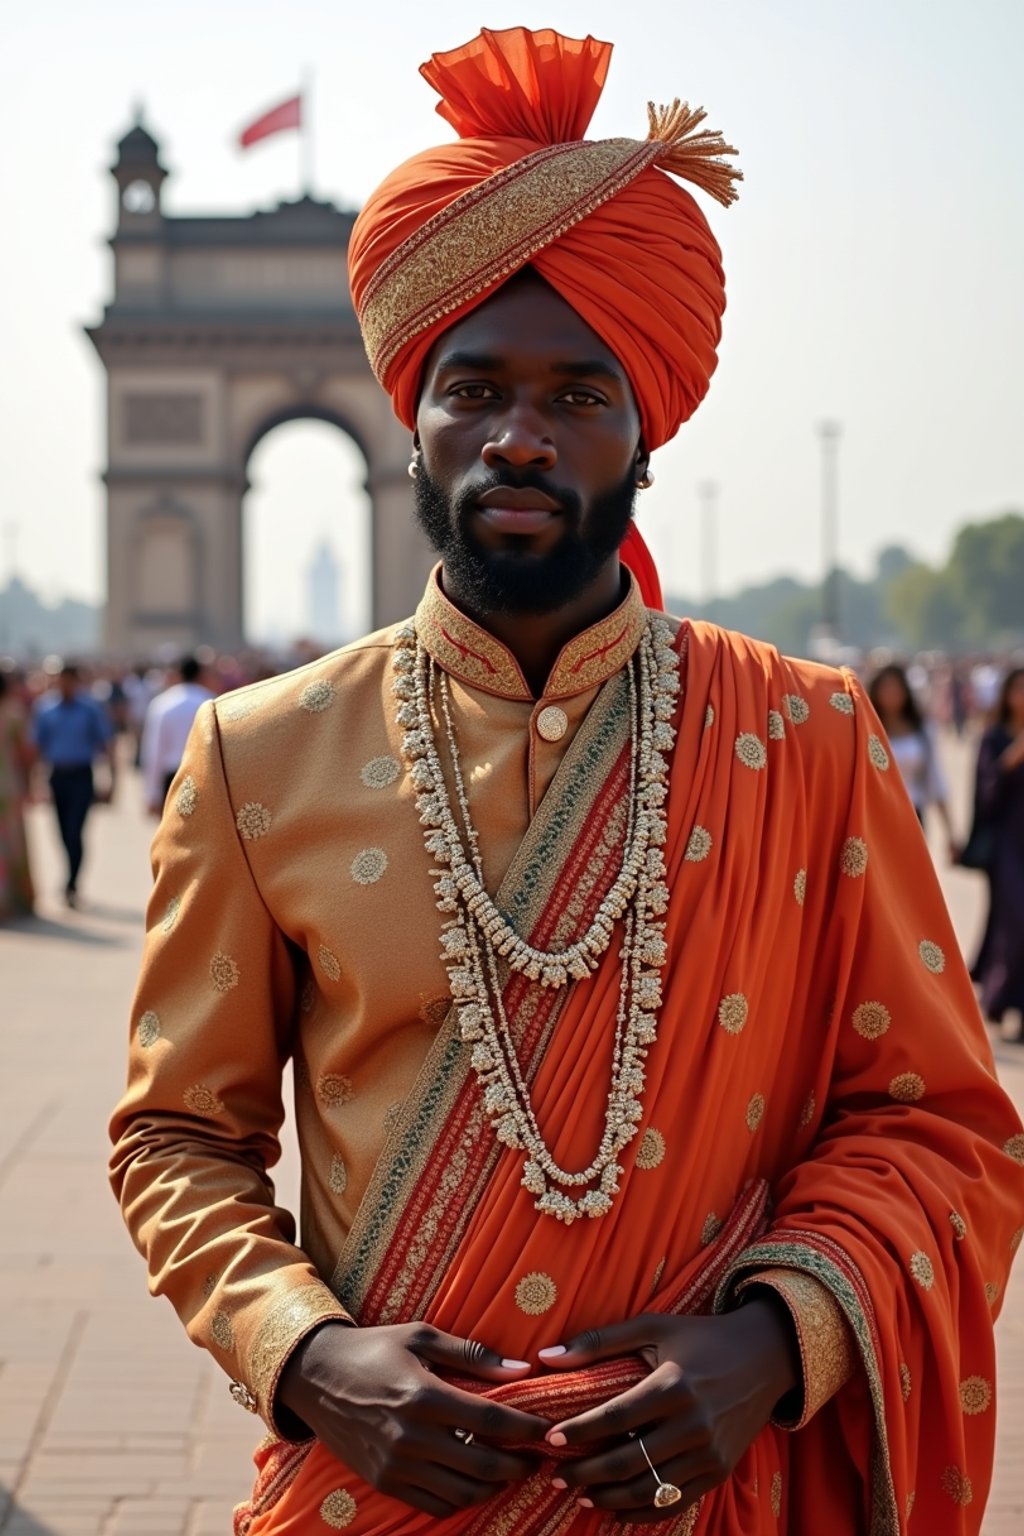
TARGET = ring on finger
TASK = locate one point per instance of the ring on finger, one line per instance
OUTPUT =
(665, 1493)
(465, 1435)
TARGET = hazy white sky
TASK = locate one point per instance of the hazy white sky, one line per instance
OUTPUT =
(875, 261)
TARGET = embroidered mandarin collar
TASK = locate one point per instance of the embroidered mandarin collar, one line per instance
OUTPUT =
(474, 656)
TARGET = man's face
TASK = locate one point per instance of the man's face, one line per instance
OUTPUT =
(530, 438)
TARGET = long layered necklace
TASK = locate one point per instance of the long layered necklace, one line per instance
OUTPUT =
(477, 937)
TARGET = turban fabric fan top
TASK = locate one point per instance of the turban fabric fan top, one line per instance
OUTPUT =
(600, 221)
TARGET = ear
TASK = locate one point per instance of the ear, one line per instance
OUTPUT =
(642, 461)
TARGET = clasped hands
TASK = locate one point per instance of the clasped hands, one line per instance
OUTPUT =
(374, 1400)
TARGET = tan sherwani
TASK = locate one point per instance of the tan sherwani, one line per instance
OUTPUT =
(294, 915)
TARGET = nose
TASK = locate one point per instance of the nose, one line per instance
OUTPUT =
(520, 440)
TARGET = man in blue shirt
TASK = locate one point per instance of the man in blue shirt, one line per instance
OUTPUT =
(70, 731)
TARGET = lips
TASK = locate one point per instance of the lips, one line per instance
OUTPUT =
(522, 510)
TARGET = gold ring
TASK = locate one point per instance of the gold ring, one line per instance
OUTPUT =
(665, 1493)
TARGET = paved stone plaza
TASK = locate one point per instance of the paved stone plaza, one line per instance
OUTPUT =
(111, 1423)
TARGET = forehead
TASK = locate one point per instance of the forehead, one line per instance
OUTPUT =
(525, 322)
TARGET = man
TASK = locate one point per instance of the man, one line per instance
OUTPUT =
(168, 723)
(70, 731)
(654, 1170)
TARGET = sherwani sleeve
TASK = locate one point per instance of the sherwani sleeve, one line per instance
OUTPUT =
(906, 1200)
(197, 1129)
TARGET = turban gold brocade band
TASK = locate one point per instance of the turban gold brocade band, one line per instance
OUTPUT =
(618, 239)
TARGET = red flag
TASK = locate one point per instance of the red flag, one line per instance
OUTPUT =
(287, 115)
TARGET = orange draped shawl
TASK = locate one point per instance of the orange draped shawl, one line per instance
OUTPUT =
(819, 1039)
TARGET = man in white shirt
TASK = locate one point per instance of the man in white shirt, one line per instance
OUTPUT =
(168, 722)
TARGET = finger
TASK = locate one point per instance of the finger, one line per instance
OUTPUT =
(645, 1403)
(467, 1356)
(453, 1488)
(637, 1496)
(625, 1338)
(676, 1441)
(486, 1463)
(486, 1419)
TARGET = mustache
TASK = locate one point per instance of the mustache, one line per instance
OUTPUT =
(528, 480)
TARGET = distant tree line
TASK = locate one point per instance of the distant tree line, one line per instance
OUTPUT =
(974, 602)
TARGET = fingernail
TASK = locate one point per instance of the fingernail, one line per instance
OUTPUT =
(587, 1503)
(559, 1482)
(516, 1365)
(553, 1352)
(556, 1438)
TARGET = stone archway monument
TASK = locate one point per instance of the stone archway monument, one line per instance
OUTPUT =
(221, 328)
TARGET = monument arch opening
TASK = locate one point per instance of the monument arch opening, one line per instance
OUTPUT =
(219, 326)
(306, 534)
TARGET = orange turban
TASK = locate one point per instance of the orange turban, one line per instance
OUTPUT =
(615, 236)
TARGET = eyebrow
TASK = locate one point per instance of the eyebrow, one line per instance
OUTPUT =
(484, 362)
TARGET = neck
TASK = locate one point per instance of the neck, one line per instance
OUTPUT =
(535, 639)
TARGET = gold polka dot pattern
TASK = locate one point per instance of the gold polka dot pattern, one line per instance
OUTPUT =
(842, 702)
(329, 963)
(711, 1228)
(807, 1111)
(775, 1494)
(992, 1290)
(975, 1394)
(959, 1226)
(187, 798)
(957, 1485)
(253, 821)
(333, 1089)
(922, 1270)
(1014, 1148)
(750, 750)
(755, 1111)
(800, 887)
(149, 1029)
(877, 753)
(536, 1293)
(380, 772)
(338, 1509)
(709, 716)
(368, 866)
(337, 1177)
(317, 696)
(853, 860)
(203, 1101)
(776, 726)
(932, 957)
(871, 1020)
(732, 1013)
(224, 972)
(699, 845)
(221, 1331)
(905, 1382)
(796, 708)
(651, 1151)
(907, 1088)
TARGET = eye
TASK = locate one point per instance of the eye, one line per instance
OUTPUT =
(473, 392)
(582, 397)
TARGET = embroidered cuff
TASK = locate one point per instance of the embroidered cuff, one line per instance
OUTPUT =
(285, 1326)
(827, 1352)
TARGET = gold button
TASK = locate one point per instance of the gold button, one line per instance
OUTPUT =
(552, 723)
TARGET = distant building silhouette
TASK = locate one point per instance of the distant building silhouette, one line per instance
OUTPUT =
(324, 587)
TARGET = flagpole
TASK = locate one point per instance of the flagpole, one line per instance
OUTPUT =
(306, 136)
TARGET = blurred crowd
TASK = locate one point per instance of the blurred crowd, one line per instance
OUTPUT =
(68, 731)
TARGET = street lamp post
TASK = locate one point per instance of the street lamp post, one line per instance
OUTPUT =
(829, 432)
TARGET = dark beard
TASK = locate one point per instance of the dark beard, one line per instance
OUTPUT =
(504, 581)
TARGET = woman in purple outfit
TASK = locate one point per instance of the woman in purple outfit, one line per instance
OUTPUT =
(999, 812)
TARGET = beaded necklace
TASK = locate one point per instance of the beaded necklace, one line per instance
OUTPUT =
(477, 935)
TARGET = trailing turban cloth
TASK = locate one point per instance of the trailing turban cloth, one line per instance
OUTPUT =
(599, 220)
